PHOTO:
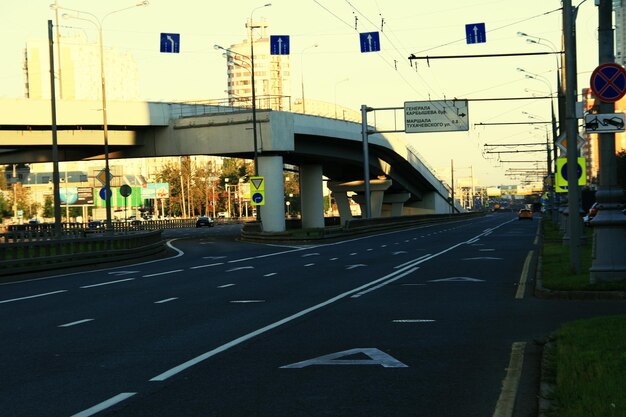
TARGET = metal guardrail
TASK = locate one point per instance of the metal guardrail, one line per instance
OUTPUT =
(43, 254)
(252, 231)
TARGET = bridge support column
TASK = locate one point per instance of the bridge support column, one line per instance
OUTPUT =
(377, 190)
(312, 196)
(273, 212)
(396, 201)
(343, 204)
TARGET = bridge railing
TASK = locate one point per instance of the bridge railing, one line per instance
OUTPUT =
(230, 105)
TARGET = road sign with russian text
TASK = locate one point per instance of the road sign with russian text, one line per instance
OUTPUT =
(435, 116)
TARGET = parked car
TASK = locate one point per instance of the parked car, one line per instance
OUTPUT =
(525, 214)
(95, 225)
(591, 214)
(204, 221)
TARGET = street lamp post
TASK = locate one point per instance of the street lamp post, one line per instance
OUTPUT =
(302, 74)
(254, 127)
(98, 23)
(336, 84)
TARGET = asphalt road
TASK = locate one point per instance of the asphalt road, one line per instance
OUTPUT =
(420, 322)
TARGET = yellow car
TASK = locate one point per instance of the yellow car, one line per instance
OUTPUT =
(525, 214)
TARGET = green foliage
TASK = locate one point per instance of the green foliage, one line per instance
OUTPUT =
(555, 264)
(48, 207)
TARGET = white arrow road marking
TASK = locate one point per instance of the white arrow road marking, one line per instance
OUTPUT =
(355, 266)
(241, 339)
(376, 357)
(458, 279)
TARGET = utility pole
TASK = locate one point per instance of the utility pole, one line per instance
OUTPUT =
(571, 132)
(609, 225)
(55, 147)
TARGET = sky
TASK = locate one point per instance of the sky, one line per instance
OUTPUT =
(336, 71)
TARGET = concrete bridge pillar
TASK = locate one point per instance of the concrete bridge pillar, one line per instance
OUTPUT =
(312, 196)
(273, 212)
(377, 190)
(396, 201)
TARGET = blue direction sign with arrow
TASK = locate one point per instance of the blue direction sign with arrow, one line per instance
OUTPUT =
(608, 82)
(170, 43)
(279, 45)
(475, 33)
(370, 41)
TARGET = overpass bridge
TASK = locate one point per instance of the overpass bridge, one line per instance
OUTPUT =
(400, 182)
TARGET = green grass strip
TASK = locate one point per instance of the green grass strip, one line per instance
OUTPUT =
(556, 270)
(591, 368)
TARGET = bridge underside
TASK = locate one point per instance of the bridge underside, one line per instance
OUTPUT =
(405, 189)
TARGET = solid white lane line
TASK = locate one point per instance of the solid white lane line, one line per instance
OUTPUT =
(402, 275)
(246, 301)
(194, 361)
(226, 285)
(167, 300)
(105, 404)
(200, 358)
(521, 288)
(75, 323)
(107, 283)
(163, 273)
(271, 274)
(510, 384)
(412, 261)
(207, 265)
(32, 296)
(307, 265)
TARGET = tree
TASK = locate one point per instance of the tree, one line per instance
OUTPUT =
(48, 207)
